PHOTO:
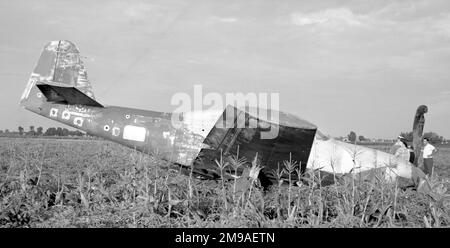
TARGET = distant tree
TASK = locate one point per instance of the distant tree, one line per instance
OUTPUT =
(75, 133)
(434, 137)
(54, 131)
(351, 136)
(65, 132)
(39, 131)
(59, 131)
(20, 130)
(51, 131)
(78, 133)
(361, 138)
(6, 130)
(407, 135)
(32, 132)
(1, 131)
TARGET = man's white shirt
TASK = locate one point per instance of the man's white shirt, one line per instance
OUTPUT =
(428, 151)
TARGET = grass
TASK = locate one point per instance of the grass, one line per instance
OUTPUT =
(94, 183)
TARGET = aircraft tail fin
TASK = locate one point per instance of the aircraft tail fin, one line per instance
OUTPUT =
(61, 76)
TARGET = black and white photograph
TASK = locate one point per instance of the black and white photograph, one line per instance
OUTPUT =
(241, 116)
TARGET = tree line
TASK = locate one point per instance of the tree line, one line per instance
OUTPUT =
(39, 131)
(434, 137)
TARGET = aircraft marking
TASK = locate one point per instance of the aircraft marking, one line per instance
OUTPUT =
(116, 131)
(27, 90)
(78, 121)
(53, 112)
(78, 114)
(134, 133)
(166, 135)
(65, 115)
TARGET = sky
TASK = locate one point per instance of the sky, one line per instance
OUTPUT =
(362, 66)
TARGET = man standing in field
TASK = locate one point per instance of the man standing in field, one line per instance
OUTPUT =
(397, 144)
(400, 150)
(428, 153)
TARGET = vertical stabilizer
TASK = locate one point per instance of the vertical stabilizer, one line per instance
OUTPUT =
(60, 65)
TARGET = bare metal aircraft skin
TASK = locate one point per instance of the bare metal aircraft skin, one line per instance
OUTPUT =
(59, 90)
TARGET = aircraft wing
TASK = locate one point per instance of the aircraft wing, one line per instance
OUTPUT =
(293, 141)
(66, 95)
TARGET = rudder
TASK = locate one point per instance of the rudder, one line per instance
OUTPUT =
(60, 65)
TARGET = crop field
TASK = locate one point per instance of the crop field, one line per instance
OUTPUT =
(95, 183)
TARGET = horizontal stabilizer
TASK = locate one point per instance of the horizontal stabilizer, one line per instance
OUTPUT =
(66, 95)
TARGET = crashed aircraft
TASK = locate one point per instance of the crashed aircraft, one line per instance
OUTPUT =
(59, 89)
